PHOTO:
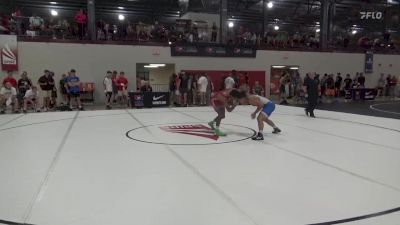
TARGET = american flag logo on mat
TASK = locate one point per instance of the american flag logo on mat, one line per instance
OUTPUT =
(195, 130)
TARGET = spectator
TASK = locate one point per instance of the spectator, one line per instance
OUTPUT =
(347, 83)
(323, 84)
(177, 89)
(63, 89)
(388, 82)
(214, 33)
(330, 86)
(393, 85)
(81, 20)
(108, 88)
(210, 90)
(184, 87)
(10, 79)
(258, 89)
(146, 87)
(74, 89)
(283, 90)
(36, 23)
(31, 97)
(235, 77)
(203, 84)
(24, 84)
(122, 88)
(381, 85)
(8, 96)
(54, 96)
(46, 83)
(338, 85)
(114, 79)
(194, 89)
(229, 83)
(311, 88)
(361, 80)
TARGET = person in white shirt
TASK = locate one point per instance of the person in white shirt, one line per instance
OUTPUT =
(203, 83)
(108, 88)
(229, 83)
(8, 96)
(31, 97)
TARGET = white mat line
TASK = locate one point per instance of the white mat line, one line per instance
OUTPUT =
(194, 170)
(42, 188)
(13, 119)
(321, 162)
(384, 111)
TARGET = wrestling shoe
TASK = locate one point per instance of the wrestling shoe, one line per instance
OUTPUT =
(259, 137)
(276, 131)
(219, 133)
(211, 124)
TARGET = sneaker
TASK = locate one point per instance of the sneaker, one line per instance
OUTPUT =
(219, 133)
(276, 131)
(258, 137)
(211, 124)
(307, 113)
(80, 108)
(312, 115)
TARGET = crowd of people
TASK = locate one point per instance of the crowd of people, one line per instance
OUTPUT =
(332, 87)
(24, 94)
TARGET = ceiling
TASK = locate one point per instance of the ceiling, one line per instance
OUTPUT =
(292, 15)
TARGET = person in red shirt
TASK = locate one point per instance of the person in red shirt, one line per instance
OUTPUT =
(10, 79)
(81, 20)
(122, 83)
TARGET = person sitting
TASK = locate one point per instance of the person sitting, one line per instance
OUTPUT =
(8, 96)
(31, 97)
(146, 87)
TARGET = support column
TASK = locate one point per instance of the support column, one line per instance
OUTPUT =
(91, 15)
(324, 24)
(223, 19)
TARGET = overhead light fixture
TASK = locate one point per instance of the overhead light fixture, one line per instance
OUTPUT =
(278, 67)
(155, 64)
(230, 24)
(317, 30)
(120, 7)
(170, 43)
(294, 68)
(355, 25)
(150, 66)
(276, 27)
(317, 22)
(270, 5)
(54, 12)
(53, 3)
(121, 17)
(354, 32)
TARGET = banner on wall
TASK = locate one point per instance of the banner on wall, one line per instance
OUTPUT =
(369, 62)
(9, 52)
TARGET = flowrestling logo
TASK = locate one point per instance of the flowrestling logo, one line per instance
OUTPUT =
(371, 15)
(194, 130)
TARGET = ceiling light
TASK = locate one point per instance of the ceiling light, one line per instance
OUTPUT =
(354, 32)
(121, 17)
(270, 5)
(278, 67)
(54, 12)
(230, 24)
(170, 43)
(120, 7)
(276, 27)
(294, 68)
(150, 66)
(53, 3)
(158, 65)
(317, 30)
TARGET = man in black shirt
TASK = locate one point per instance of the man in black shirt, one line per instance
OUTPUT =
(311, 87)
(46, 83)
(347, 82)
(23, 85)
(361, 80)
(338, 84)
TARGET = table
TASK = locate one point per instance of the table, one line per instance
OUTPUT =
(148, 99)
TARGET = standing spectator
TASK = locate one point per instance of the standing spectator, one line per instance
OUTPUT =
(35, 23)
(323, 84)
(311, 89)
(184, 87)
(214, 32)
(10, 79)
(114, 79)
(53, 92)
(24, 84)
(122, 88)
(177, 81)
(81, 20)
(258, 89)
(330, 87)
(283, 90)
(203, 83)
(31, 97)
(210, 90)
(146, 87)
(8, 96)
(189, 87)
(393, 85)
(338, 85)
(172, 89)
(347, 83)
(229, 83)
(74, 89)
(194, 89)
(46, 83)
(108, 88)
(361, 80)
(63, 89)
(235, 77)
(388, 81)
(297, 84)
(381, 84)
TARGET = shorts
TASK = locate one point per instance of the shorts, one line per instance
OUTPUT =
(184, 91)
(109, 93)
(20, 96)
(74, 94)
(218, 107)
(115, 89)
(47, 93)
(122, 93)
(269, 108)
(330, 92)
